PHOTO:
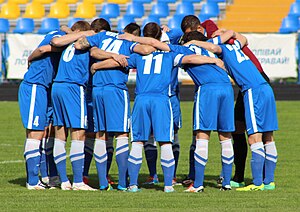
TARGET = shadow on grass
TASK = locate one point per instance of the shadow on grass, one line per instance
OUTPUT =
(209, 181)
(18, 181)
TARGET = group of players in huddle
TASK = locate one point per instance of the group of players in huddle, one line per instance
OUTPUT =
(76, 83)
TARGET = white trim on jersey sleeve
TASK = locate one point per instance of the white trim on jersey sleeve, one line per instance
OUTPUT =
(132, 47)
(216, 40)
(164, 37)
(177, 59)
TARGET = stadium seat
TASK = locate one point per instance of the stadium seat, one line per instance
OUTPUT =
(34, 10)
(185, 8)
(124, 21)
(295, 9)
(166, 1)
(289, 24)
(135, 10)
(193, 1)
(118, 1)
(10, 11)
(203, 17)
(175, 21)
(4, 25)
(160, 10)
(110, 11)
(48, 25)
(217, 1)
(18, 1)
(73, 20)
(151, 19)
(210, 9)
(142, 1)
(24, 25)
(59, 10)
(94, 1)
(85, 10)
(43, 1)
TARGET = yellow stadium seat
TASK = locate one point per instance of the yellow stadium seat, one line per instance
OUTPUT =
(18, 1)
(59, 10)
(68, 1)
(10, 11)
(93, 1)
(118, 1)
(43, 1)
(85, 10)
(34, 10)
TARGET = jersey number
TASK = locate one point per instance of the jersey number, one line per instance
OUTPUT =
(148, 63)
(240, 56)
(111, 45)
(69, 53)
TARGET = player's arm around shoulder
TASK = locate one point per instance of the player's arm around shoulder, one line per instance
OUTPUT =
(200, 60)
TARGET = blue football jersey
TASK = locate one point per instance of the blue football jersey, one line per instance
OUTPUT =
(172, 37)
(108, 41)
(74, 66)
(202, 74)
(240, 67)
(154, 71)
(42, 70)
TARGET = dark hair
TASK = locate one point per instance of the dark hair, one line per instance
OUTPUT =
(133, 28)
(193, 35)
(100, 24)
(190, 21)
(81, 26)
(152, 30)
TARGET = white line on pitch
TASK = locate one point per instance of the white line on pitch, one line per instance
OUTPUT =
(11, 161)
(11, 145)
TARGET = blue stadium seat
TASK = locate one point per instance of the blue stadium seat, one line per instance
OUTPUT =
(73, 20)
(142, 1)
(166, 1)
(110, 11)
(160, 10)
(4, 25)
(24, 25)
(203, 17)
(151, 19)
(175, 22)
(218, 1)
(135, 10)
(289, 24)
(295, 9)
(48, 25)
(193, 1)
(210, 9)
(185, 8)
(124, 21)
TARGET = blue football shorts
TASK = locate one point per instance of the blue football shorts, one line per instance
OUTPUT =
(33, 104)
(260, 110)
(214, 108)
(111, 109)
(152, 113)
(69, 106)
(175, 102)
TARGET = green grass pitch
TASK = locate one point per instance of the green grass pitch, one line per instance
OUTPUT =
(15, 197)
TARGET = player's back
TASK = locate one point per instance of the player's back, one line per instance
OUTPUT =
(108, 41)
(73, 66)
(172, 37)
(42, 70)
(202, 74)
(154, 71)
(240, 67)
